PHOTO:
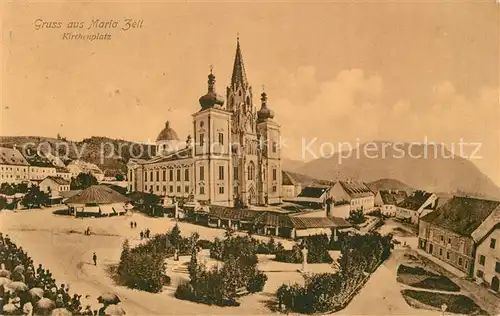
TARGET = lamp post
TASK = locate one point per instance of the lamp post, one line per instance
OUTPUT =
(443, 308)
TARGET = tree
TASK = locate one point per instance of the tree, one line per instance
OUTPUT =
(175, 237)
(83, 181)
(35, 198)
(7, 189)
(119, 177)
(356, 217)
(3, 203)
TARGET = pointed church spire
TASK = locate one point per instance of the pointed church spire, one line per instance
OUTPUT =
(239, 76)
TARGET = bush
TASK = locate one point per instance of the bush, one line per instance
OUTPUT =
(317, 247)
(356, 217)
(257, 282)
(3, 203)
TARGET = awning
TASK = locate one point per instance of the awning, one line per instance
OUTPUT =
(107, 209)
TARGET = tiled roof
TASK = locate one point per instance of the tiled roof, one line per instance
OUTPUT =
(462, 215)
(274, 219)
(392, 197)
(356, 189)
(58, 180)
(313, 192)
(61, 170)
(319, 222)
(232, 213)
(10, 156)
(415, 200)
(97, 194)
(287, 178)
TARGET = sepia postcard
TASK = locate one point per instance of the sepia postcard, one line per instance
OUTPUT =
(250, 157)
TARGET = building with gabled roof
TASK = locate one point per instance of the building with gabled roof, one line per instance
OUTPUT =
(388, 199)
(356, 193)
(456, 232)
(54, 186)
(233, 158)
(14, 168)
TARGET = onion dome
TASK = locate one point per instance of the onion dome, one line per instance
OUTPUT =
(167, 134)
(264, 113)
(211, 99)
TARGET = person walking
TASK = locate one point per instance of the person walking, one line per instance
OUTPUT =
(135, 224)
(94, 257)
(131, 224)
(141, 234)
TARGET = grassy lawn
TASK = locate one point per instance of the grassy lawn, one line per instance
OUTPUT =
(458, 304)
(421, 278)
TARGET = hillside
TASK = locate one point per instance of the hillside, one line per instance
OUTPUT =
(306, 180)
(116, 152)
(291, 164)
(389, 184)
(443, 172)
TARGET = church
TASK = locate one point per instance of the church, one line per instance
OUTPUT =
(233, 158)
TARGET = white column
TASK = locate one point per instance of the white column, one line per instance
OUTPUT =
(304, 261)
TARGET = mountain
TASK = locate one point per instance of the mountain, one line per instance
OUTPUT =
(306, 180)
(433, 168)
(290, 164)
(111, 155)
(389, 184)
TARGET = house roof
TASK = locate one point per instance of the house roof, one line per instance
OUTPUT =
(313, 192)
(57, 180)
(462, 215)
(61, 170)
(36, 160)
(232, 213)
(392, 197)
(274, 219)
(415, 200)
(356, 189)
(97, 194)
(10, 156)
(287, 178)
(319, 222)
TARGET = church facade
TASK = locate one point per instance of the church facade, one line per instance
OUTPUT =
(233, 158)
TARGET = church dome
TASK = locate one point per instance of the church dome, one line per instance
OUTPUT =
(211, 99)
(167, 134)
(264, 113)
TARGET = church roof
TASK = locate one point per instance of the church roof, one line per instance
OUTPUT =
(239, 77)
(167, 133)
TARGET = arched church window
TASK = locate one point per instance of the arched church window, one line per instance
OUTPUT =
(239, 93)
(251, 171)
(248, 100)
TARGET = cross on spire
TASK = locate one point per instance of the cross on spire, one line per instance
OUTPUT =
(211, 68)
(263, 88)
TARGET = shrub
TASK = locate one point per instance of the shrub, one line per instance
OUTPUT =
(356, 217)
(3, 203)
(317, 247)
(205, 244)
(257, 282)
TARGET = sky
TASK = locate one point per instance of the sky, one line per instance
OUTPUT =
(334, 72)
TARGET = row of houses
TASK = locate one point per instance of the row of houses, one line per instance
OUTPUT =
(409, 207)
(464, 232)
(33, 167)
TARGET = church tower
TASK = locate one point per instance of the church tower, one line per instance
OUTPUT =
(212, 149)
(270, 154)
(244, 135)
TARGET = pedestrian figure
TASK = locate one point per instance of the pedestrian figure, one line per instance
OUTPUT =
(94, 257)
(131, 224)
(147, 232)
(141, 234)
(135, 224)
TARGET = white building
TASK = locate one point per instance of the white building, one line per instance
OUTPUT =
(388, 199)
(356, 193)
(417, 205)
(54, 186)
(234, 158)
(79, 166)
(14, 168)
(290, 187)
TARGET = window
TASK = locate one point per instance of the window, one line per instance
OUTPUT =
(480, 273)
(275, 146)
(186, 189)
(202, 190)
(448, 255)
(482, 260)
(145, 188)
(235, 173)
(171, 175)
(449, 240)
(157, 175)
(221, 138)
(275, 174)
(442, 238)
(171, 189)
(186, 175)
(202, 174)
(466, 264)
(274, 188)
(145, 176)
(221, 172)
(221, 190)
(164, 175)
(251, 170)
(178, 174)
(157, 188)
(165, 188)
(459, 261)
(493, 243)
(151, 176)
(497, 267)
(202, 139)
(178, 189)
(440, 252)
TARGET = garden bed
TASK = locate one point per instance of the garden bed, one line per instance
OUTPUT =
(457, 304)
(424, 279)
